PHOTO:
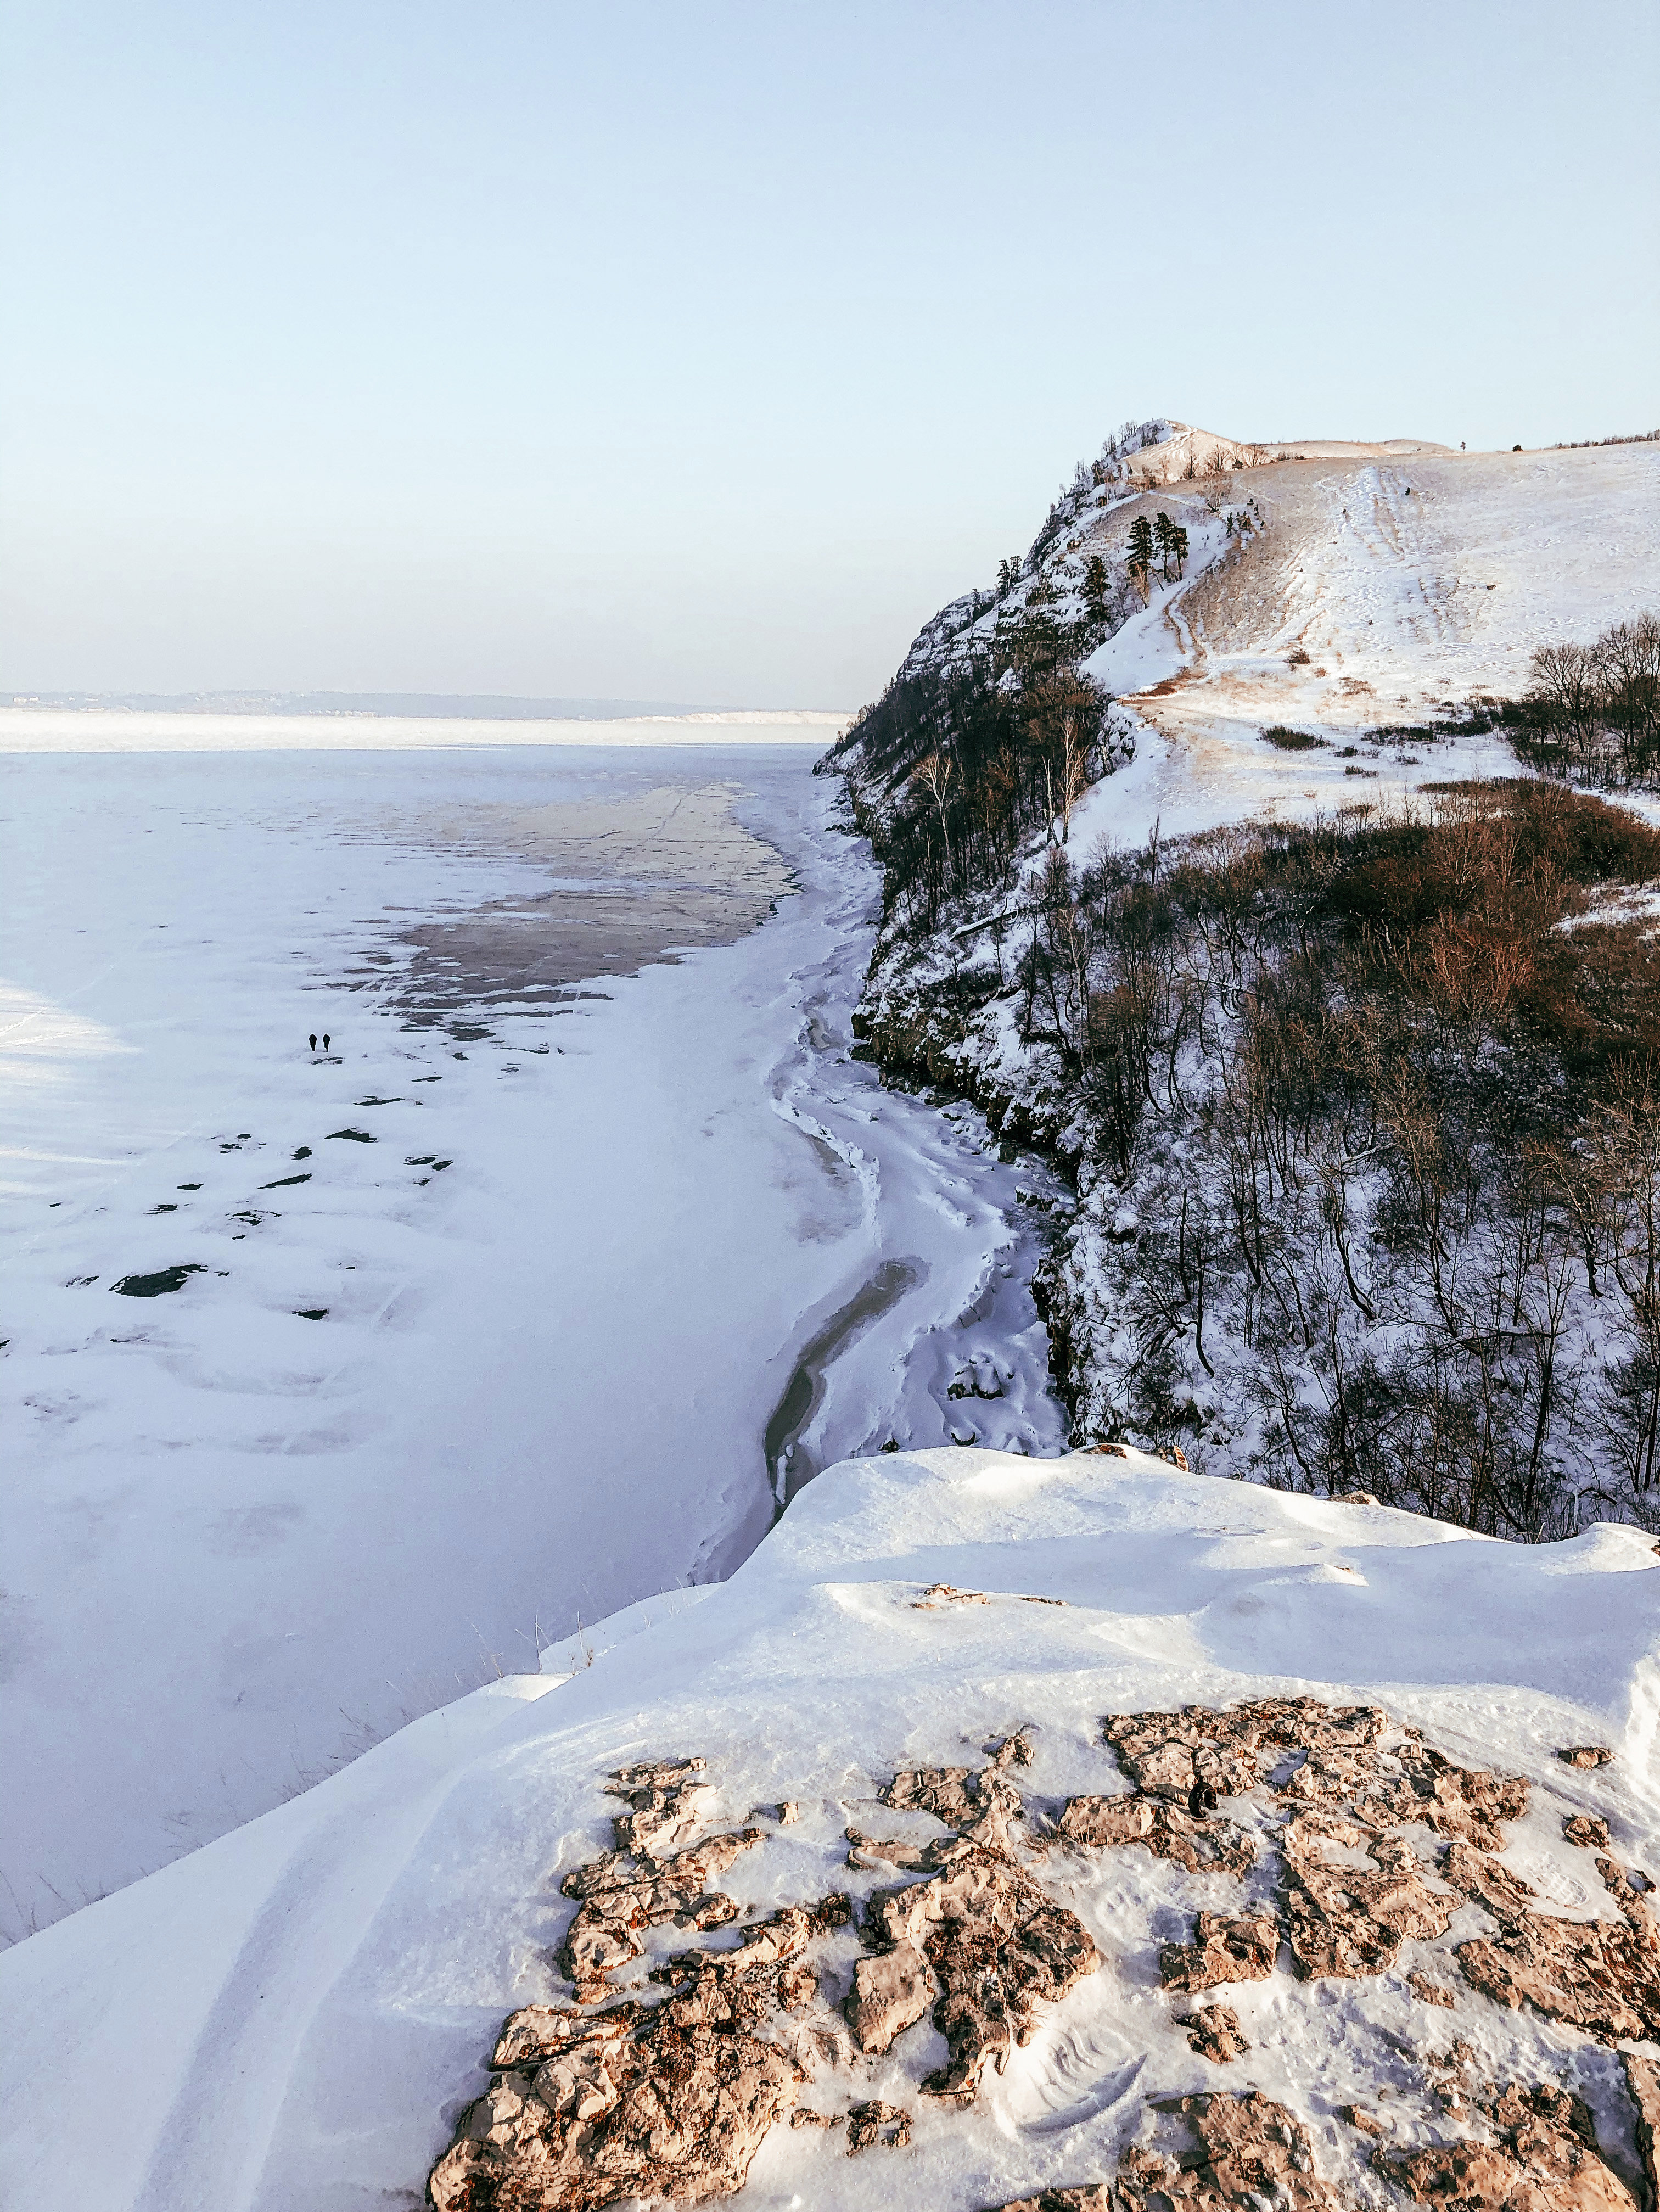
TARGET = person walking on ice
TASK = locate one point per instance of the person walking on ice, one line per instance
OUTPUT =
(314, 1040)
(325, 1040)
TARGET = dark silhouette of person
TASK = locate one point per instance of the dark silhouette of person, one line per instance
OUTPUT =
(314, 1040)
(325, 1040)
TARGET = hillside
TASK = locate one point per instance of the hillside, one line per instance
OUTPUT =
(1208, 874)
(1157, 1791)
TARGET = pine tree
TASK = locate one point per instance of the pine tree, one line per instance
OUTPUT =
(1141, 555)
(1096, 586)
(1178, 551)
(1161, 537)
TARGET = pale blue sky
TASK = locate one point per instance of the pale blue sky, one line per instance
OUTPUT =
(700, 352)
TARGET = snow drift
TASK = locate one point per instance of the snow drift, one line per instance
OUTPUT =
(925, 1651)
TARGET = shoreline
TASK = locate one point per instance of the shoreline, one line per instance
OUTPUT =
(410, 1425)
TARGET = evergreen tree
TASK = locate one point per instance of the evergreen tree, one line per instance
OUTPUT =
(1095, 588)
(1161, 537)
(1139, 557)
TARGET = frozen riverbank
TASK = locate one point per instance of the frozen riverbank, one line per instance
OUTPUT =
(560, 1292)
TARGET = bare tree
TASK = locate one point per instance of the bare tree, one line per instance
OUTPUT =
(937, 775)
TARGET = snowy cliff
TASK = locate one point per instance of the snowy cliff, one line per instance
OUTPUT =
(1174, 894)
(1027, 1800)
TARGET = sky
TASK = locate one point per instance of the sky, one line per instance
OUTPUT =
(699, 352)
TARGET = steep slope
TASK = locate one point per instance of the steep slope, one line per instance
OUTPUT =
(1205, 875)
(948, 1652)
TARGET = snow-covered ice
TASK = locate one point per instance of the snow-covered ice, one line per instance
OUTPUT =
(566, 1270)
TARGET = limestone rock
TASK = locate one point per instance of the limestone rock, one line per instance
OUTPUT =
(1171, 1754)
(617, 1901)
(1428, 1992)
(1505, 1895)
(538, 2031)
(1643, 2080)
(1585, 1830)
(1633, 1896)
(665, 2111)
(941, 1593)
(979, 1806)
(1546, 2163)
(1416, 1783)
(1349, 1921)
(891, 1992)
(1594, 1974)
(998, 1948)
(1091, 2196)
(1223, 1950)
(1202, 1846)
(1254, 2152)
(1586, 1754)
(1214, 2032)
(868, 1851)
(666, 1800)
(874, 2122)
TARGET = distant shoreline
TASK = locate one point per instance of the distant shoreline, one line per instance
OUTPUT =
(482, 707)
(39, 729)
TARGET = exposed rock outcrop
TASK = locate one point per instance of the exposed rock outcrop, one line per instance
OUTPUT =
(1428, 1992)
(646, 2106)
(874, 2122)
(979, 1804)
(1092, 2197)
(891, 1992)
(616, 1900)
(1222, 1950)
(666, 1800)
(1169, 1832)
(1643, 2080)
(1586, 1754)
(1585, 1830)
(1349, 1921)
(1546, 2160)
(1599, 1975)
(669, 2093)
(1588, 1974)
(1214, 2032)
(997, 1947)
(1253, 2151)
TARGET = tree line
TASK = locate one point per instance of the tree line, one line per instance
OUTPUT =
(1364, 1117)
(1594, 710)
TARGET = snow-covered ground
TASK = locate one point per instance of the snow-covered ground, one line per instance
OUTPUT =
(1407, 583)
(563, 1272)
(296, 2015)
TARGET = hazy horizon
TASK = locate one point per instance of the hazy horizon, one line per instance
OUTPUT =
(700, 353)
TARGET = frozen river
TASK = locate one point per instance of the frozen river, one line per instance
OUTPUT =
(336, 1382)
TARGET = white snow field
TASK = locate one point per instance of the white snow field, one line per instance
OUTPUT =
(296, 2015)
(564, 1263)
(1409, 583)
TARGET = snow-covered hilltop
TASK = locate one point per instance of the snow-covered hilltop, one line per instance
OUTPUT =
(1029, 1823)
(1209, 870)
